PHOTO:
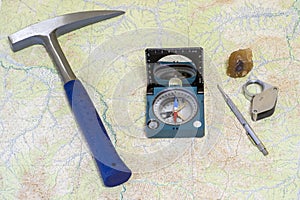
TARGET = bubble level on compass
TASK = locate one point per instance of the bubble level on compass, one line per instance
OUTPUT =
(175, 106)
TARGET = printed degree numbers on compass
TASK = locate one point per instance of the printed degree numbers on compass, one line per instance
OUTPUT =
(175, 106)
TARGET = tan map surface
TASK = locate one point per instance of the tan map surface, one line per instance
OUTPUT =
(43, 154)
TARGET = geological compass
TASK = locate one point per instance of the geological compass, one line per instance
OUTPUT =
(175, 93)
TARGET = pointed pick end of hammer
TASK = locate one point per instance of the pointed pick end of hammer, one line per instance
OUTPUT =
(74, 21)
(34, 34)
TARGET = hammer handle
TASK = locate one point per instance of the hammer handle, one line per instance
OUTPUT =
(113, 170)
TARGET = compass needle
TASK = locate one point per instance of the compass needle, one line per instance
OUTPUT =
(175, 109)
(175, 116)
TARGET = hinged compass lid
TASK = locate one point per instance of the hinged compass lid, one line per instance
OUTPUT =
(167, 63)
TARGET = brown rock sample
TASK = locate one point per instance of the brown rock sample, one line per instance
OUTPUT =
(240, 63)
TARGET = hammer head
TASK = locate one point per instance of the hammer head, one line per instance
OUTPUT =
(59, 25)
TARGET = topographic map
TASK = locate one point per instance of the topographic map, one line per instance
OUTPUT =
(43, 154)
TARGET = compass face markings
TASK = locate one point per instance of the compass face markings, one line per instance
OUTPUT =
(182, 111)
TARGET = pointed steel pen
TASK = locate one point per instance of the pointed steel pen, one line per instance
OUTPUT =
(256, 141)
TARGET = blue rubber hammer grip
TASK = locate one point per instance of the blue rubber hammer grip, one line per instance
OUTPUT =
(112, 169)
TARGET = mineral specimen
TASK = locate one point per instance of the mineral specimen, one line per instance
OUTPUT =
(240, 63)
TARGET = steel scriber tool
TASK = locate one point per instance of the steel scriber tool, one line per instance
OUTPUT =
(112, 168)
(256, 141)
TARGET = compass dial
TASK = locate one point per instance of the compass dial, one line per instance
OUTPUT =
(175, 106)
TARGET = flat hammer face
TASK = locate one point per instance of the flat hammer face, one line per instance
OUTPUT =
(46, 33)
(112, 169)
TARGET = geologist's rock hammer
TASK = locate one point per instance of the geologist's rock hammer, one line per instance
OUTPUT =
(112, 169)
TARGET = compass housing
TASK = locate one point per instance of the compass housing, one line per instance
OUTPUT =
(175, 110)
